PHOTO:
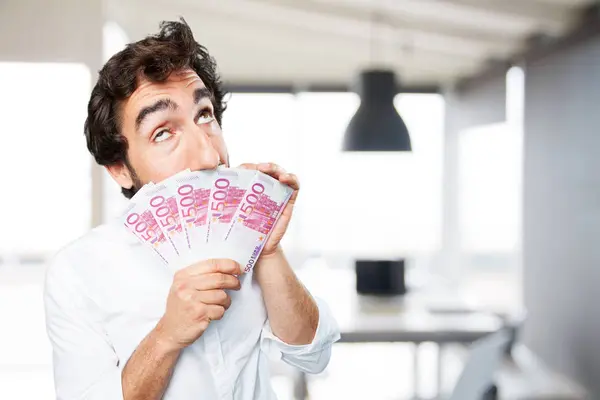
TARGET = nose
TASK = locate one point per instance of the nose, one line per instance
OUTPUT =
(202, 152)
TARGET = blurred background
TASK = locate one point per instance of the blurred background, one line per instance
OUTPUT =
(460, 200)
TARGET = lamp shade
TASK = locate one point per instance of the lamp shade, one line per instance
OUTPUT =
(376, 126)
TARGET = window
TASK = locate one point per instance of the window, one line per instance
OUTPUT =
(47, 203)
(490, 189)
(261, 127)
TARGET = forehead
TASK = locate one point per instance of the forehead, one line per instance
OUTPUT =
(184, 80)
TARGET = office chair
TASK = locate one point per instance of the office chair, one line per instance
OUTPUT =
(476, 381)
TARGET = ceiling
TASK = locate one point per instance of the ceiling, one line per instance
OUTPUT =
(327, 42)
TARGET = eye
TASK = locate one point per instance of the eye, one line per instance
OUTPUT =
(205, 116)
(162, 135)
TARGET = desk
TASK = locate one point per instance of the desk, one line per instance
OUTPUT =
(427, 315)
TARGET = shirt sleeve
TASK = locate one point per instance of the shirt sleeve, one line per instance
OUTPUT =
(311, 358)
(85, 364)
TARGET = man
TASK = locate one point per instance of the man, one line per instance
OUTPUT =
(121, 325)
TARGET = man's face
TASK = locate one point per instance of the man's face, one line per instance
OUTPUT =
(169, 126)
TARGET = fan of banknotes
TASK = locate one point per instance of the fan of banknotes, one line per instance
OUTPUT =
(222, 213)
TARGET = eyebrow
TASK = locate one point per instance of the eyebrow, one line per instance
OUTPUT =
(201, 94)
(160, 105)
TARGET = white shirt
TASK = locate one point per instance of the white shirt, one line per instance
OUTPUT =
(106, 291)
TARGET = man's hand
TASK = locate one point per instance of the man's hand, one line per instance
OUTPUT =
(197, 297)
(281, 226)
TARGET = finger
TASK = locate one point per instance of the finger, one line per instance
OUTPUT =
(215, 296)
(215, 312)
(213, 265)
(214, 281)
(271, 169)
(248, 166)
(291, 180)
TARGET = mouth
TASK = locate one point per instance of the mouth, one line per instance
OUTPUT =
(219, 165)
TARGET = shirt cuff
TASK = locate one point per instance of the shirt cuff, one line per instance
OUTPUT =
(312, 357)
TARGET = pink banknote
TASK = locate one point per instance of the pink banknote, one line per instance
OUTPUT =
(226, 194)
(162, 202)
(193, 193)
(139, 220)
(254, 219)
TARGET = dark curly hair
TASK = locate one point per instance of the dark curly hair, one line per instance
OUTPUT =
(154, 58)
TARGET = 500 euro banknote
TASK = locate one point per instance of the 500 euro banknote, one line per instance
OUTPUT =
(139, 220)
(255, 218)
(162, 202)
(226, 194)
(193, 195)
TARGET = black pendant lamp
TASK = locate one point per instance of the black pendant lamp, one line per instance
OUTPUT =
(377, 126)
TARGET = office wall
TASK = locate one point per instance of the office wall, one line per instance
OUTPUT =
(480, 104)
(562, 210)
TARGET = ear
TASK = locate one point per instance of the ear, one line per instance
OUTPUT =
(121, 174)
